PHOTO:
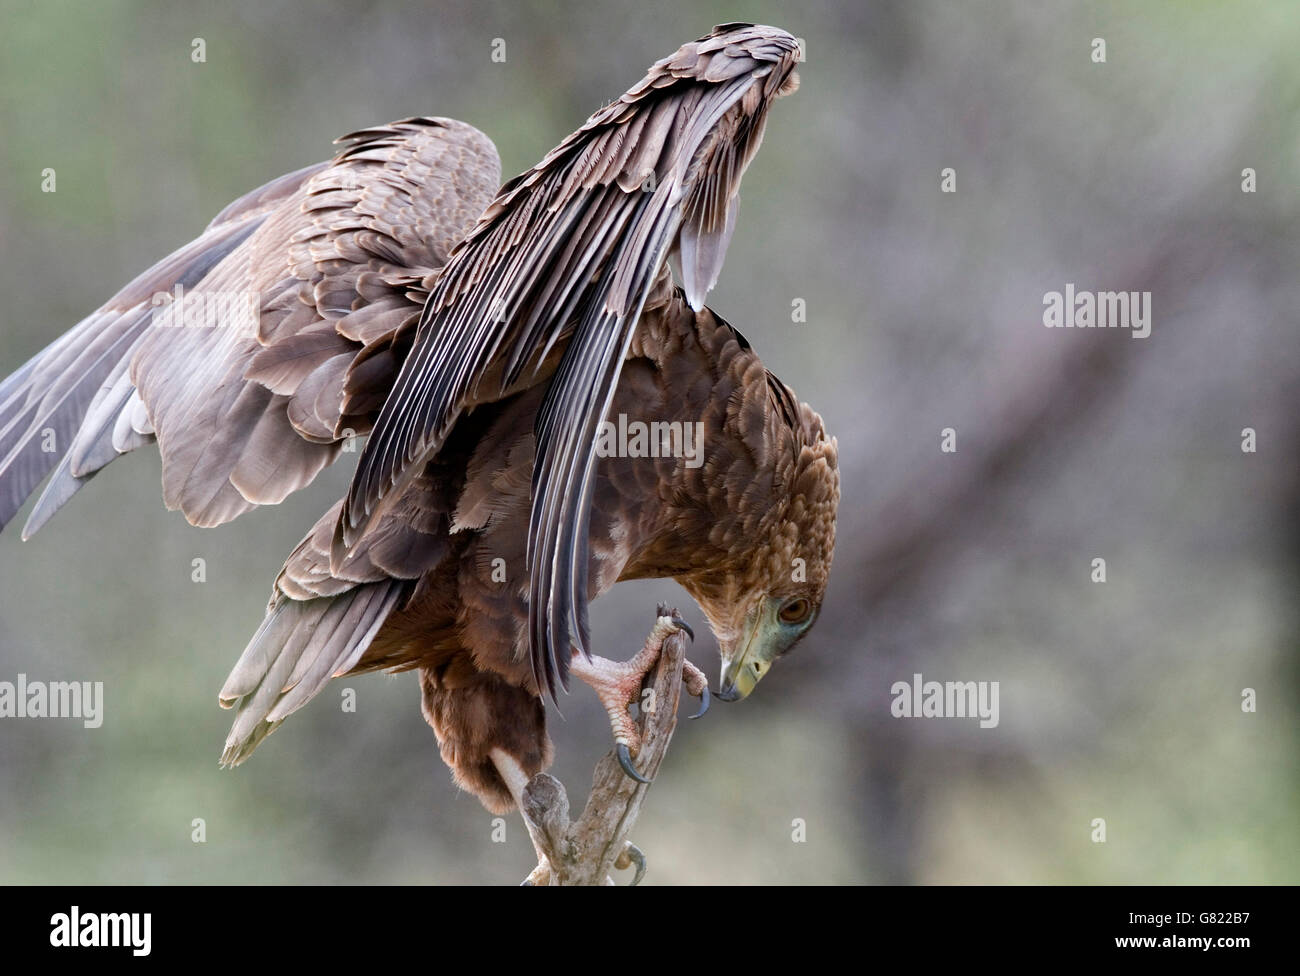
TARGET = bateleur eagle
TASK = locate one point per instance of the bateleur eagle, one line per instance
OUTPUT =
(480, 335)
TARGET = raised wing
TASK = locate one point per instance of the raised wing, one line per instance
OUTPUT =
(252, 352)
(564, 259)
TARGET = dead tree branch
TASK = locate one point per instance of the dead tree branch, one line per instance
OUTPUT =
(583, 852)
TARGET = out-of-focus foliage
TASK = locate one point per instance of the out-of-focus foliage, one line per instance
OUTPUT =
(1118, 700)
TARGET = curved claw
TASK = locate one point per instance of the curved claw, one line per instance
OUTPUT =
(705, 699)
(633, 854)
(682, 625)
(625, 760)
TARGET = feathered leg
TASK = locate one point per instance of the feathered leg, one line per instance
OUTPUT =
(479, 721)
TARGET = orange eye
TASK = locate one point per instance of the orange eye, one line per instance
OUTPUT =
(795, 612)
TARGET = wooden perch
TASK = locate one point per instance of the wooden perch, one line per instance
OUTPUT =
(583, 852)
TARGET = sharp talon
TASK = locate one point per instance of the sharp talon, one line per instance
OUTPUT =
(705, 698)
(633, 854)
(625, 760)
(683, 625)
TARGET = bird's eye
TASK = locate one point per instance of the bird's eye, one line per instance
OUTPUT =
(795, 612)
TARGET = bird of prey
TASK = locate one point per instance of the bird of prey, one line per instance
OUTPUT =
(482, 338)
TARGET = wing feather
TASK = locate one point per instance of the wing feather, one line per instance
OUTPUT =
(563, 260)
(294, 283)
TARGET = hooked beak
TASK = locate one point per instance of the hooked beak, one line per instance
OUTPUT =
(750, 657)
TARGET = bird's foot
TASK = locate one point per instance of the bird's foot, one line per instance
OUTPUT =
(631, 857)
(618, 684)
(540, 876)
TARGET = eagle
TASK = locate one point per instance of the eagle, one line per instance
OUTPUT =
(484, 342)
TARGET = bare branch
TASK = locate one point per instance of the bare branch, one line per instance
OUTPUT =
(584, 852)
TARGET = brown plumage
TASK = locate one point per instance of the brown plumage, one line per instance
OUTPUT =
(480, 337)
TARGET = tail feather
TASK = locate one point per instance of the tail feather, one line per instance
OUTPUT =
(293, 655)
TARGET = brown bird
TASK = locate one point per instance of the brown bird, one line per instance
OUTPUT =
(548, 413)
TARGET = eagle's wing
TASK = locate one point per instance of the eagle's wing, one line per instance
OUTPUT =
(251, 353)
(564, 259)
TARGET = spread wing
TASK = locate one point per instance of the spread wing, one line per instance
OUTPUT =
(563, 260)
(251, 353)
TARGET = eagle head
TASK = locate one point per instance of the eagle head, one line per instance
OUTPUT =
(782, 544)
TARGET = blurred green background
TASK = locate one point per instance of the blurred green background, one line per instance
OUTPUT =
(1118, 700)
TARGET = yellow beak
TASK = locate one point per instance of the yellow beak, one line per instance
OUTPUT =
(743, 669)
